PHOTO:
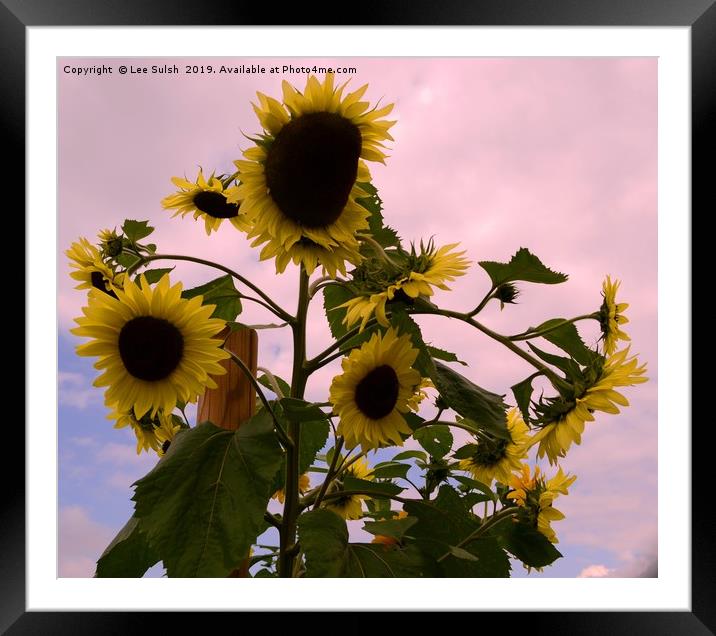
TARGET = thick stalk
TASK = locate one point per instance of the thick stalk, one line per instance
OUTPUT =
(298, 386)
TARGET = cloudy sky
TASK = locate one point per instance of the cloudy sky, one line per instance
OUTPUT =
(556, 155)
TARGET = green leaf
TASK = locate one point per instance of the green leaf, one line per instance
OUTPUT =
(464, 452)
(375, 488)
(567, 338)
(127, 260)
(522, 266)
(404, 324)
(129, 555)
(384, 235)
(441, 354)
(436, 439)
(313, 438)
(476, 485)
(153, 275)
(220, 292)
(527, 544)
(395, 528)
(567, 365)
(411, 454)
(523, 395)
(484, 408)
(136, 230)
(203, 505)
(301, 411)
(390, 470)
(461, 553)
(324, 540)
(282, 384)
(333, 296)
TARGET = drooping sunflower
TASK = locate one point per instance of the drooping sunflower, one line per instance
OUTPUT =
(304, 484)
(417, 272)
(498, 458)
(556, 437)
(536, 496)
(300, 179)
(374, 390)
(154, 347)
(611, 316)
(351, 506)
(208, 200)
(90, 270)
(111, 242)
(155, 433)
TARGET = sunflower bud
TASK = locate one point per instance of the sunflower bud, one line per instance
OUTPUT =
(506, 293)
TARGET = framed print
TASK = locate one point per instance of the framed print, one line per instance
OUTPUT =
(493, 155)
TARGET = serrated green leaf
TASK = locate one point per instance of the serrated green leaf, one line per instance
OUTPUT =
(394, 528)
(314, 435)
(567, 365)
(476, 485)
(404, 324)
(136, 230)
(485, 409)
(127, 260)
(523, 395)
(567, 338)
(436, 439)
(523, 266)
(333, 297)
(282, 384)
(153, 275)
(527, 544)
(441, 354)
(390, 470)
(376, 489)
(382, 234)
(203, 505)
(129, 555)
(220, 292)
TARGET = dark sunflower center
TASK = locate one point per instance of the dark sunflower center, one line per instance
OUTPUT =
(401, 297)
(147, 423)
(489, 453)
(215, 204)
(377, 393)
(150, 348)
(97, 280)
(312, 166)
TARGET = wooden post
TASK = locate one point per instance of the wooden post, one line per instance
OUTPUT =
(234, 399)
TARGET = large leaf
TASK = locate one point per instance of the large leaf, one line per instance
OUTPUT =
(391, 470)
(523, 395)
(447, 356)
(129, 555)
(395, 528)
(375, 488)
(203, 505)
(485, 409)
(567, 338)
(384, 235)
(522, 266)
(527, 544)
(136, 230)
(313, 438)
(282, 384)
(404, 324)
(220, 292)
(333, 297)
(436, 439)
(323, 536)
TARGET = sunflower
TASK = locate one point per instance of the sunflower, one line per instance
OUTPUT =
(208, 199)
(155, 347)
(618, 370)
(611, 316)
(386, 540)
(304, 484)
(375, 388)
(90, 270)
(416, 275)
(498, 458)
(153, 433)
(351, 506)
(301, 178)
(419, 395)
(536, 496)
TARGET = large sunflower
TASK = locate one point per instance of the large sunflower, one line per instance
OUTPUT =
(154, 346)
(207, 200)
(375, 388)
(90, 270)
(155, 433)
(351, 506)
(300, 179)
(556, 437)
(536, 495)
(611, 316)
(417, 274)
(498, 458)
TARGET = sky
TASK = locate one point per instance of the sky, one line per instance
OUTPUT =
(558, 155)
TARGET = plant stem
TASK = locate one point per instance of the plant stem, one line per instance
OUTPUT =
(298, 386)
(317, 362)
(483, 302)
(331, 473)
(530, 333)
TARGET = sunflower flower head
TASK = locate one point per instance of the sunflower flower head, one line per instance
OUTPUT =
(374, 390)
(154, 347)
(152, 433)
(304, 485)
(611, 316)
(90, 270)
(300, 178)
(498, 458)
(111, 242)
(563, 419)
(506, 294)
(206, 199)
(535, 496)
(351, 506)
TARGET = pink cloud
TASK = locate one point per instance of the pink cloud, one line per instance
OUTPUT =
(81, 541)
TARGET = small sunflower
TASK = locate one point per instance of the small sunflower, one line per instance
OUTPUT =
(611, 316)
(301, 178)
(90, 270)
(351, 506)
(556, 437)
(153, 433)
(111, 242)
(154, 347)
(304, 484)
(498, 458)
(207, 199)
(373, 391)
(536, 496)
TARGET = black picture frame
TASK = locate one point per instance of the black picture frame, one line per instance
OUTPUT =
(699, 15)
